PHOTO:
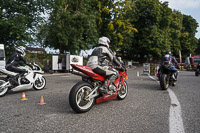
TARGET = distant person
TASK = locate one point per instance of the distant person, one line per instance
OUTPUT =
(169, 60)
(120, 60)
(114, 53)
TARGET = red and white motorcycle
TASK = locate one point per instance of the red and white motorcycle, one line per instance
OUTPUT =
(32, 79)
(85, 93)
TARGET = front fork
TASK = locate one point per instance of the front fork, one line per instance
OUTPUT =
(38, 78)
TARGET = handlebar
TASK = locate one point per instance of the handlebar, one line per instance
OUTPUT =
(120, 68)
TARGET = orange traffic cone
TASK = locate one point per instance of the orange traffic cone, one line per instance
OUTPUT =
(23, 97)
(141, 78)
(42, 101)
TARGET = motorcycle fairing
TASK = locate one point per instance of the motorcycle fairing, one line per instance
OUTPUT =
(88, 71)
(120, 80)
(168, 69)
(30, 76)
(118, 83)
(107, 97)
(23, 86)
(173, 68)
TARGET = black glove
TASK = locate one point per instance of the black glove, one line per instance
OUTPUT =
(31, 66)
(123, 69)
(178, 67)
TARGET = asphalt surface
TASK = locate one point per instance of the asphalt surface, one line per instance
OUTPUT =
(144, 110)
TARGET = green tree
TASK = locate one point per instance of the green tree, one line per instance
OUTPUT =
(18, 19)
(198, 48)
(71, 26)
(114, 22)
(77, 24)
(175, 32)
(188, 40)
(152, 19)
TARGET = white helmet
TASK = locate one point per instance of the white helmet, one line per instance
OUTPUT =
(168, 52)
(104, 41)
(21, 50)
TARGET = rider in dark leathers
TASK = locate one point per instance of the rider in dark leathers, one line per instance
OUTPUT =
(96, 60)
(170, 61)
(15, 60)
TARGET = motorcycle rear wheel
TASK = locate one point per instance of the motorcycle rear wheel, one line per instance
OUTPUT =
(123, 91)
(77, 95)
(3, 91)
(164, 82)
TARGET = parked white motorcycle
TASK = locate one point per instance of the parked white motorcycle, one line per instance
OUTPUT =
(32, 79)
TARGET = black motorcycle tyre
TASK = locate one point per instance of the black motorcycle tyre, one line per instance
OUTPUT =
(73, 94)
(41, 87)
(164, 83)
(121, 97)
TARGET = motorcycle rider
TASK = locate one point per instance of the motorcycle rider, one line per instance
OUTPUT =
(170, 60)
(96, 60)
(120, 60)
(15, 60)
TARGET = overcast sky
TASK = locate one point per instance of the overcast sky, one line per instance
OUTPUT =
(187, 7)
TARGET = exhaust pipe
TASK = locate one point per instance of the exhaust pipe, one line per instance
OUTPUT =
(79, 73)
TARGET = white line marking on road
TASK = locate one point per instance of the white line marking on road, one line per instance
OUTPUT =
(175, 113)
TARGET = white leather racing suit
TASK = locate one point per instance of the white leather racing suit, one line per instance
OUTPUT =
(96, 60)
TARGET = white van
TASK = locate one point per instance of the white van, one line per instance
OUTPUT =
(2, 56)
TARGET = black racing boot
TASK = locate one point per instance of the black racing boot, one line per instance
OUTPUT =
(104, 88)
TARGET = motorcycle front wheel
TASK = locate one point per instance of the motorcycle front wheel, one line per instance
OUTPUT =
(3, 90)
(164, 82)
(123, 91)
(39, 83)
(77, 97)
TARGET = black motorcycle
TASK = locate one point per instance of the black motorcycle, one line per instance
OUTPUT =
(197, 70)
(167, 77)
